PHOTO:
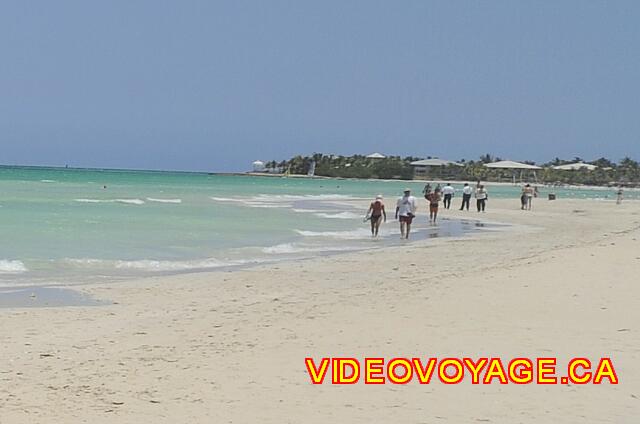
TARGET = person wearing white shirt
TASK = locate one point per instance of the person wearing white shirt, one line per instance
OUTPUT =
(466, 196)
(481, 197)
(405, 211)
(448, 192)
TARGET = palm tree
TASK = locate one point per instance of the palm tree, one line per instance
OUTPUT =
(603, 163)
(486, 158)
(628, 170)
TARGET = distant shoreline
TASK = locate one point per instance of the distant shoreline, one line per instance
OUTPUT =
(302, 176)
(433, 181)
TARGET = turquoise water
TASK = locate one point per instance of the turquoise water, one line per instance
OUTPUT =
(74, 225)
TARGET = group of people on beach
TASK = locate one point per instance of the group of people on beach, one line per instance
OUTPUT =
(406, 205)
(447, 192)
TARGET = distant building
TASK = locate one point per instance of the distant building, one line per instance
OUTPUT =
(431, 167)
(376, 156)
(258, 166)
(514, 167)
(575, 166)
(509, 164)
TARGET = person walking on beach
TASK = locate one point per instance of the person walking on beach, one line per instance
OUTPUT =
(376, 214)
(447, 192)
(466, 196)
(527, 194)
(434, 199)
(426, 190)
(619, 195)
(405, 211)
(481, 197)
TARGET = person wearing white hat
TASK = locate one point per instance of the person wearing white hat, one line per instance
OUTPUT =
(376, 214)
(405, 211)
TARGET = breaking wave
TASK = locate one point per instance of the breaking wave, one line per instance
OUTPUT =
(250, 203)
(298, 248)
(152, 265)
(125, 201)
(151, 199)
(340, 215)
(359, 233)
(12, 267)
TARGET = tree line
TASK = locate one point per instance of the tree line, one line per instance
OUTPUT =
(624, 172)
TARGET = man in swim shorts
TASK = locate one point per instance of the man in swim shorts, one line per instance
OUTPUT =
(405, 211)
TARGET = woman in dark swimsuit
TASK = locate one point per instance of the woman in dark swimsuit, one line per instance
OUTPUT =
(377, 214)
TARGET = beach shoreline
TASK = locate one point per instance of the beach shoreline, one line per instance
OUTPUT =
(229, 345)
(383, 243)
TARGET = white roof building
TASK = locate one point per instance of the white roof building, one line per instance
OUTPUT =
(509, 164)
(433, 162)
(432, 168)
(376, 155)
(575, 166)
(515, 167)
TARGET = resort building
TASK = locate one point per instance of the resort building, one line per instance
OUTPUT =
(432, 168)
(575, 166)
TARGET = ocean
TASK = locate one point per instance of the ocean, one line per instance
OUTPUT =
(71, 226)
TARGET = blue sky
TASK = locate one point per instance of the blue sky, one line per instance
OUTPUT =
(213, 85)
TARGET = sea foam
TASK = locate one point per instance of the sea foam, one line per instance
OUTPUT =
(290, 248)
(160, 266)
(251, 202)
(90, 200)
(12, 267)
(360, 233)
(153, 265)
(125, 201)
(341, 215)
(130, 201)
(151, 199)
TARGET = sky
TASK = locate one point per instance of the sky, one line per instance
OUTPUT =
(213, 85)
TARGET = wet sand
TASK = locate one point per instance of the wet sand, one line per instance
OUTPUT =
(45, 297)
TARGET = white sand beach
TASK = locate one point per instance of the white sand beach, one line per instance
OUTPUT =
(230, 346)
